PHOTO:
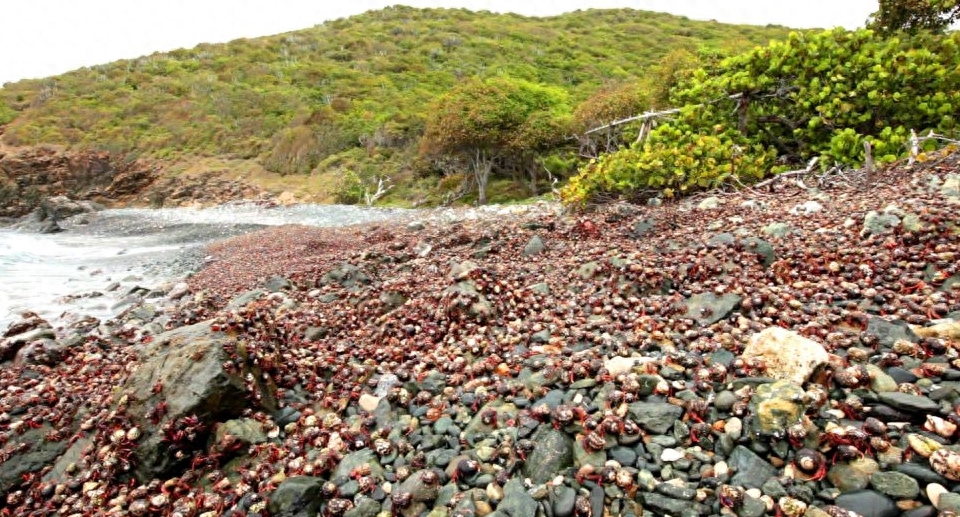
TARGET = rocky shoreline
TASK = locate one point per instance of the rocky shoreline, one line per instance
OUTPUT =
(791, 352)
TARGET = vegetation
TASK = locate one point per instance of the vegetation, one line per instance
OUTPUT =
(347, 101)
(810, 96)
(495, 123)
(914, 16)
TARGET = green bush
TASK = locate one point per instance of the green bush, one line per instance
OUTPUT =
(813, 95)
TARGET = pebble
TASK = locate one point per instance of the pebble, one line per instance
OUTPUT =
(751, 470)
(368, 402)
(921, 473)
(895, 485)
(908, 402)
(868, 503)
(949, 502)
(934, 491)
(854, 475)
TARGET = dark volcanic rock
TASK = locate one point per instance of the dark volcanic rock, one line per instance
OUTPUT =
(752, 471)
(345, 275)
(908, 402)
(38, 455)
(868, 504)
(889, 332)
(553, 454)
(296, 497)
(183, 369)
(708, 308)
(655, 417)
(516, 502)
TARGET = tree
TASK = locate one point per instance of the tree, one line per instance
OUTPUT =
(482, 122)
(913, 16)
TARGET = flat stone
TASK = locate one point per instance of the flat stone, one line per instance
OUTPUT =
(852, 476)
(868, 503)
(752, 471)
(516, 502)
(777, 406)
(762, 248)
(708, 308)
(889, 332)
(876, 223)
(907, 402)
(655, 417)
(662, 504)
(643, 227)
(949, 502)
(534, 246)
(895, 485)
(922, 473)
(552, 454)
(296, 497)
(880, 381)
(564, 499)
(710, 203)
(777, 229)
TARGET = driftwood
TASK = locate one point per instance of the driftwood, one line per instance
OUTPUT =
(654, 114)
(383, 185)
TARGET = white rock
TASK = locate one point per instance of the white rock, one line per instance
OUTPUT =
(734, 428)
(368, 402)
(619, 365)
(808, 208)
(721, 469)
(671, 455)
(786, 354)
(179, 291)
(710, 203)
(934, 491)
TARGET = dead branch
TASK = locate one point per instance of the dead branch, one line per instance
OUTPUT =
(383, 185)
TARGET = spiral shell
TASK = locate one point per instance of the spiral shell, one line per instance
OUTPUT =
(809, 461)
(401, 499)
(624, 478)
(594, 442)
(790, 507)
(731, 496)
(339, 506)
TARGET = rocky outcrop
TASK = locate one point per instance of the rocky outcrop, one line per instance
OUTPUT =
(192, 378)
(32, 174)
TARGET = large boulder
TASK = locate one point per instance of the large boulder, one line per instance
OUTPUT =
(182, 385)
(30, 329)
(786, 354)
(58, 208)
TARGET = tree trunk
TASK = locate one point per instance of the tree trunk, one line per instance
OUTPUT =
(482, 166)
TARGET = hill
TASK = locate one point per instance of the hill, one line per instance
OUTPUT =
(299, 111)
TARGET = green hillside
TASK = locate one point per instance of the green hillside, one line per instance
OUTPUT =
(348, 97)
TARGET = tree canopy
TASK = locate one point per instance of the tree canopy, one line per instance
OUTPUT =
(914, 16)
(482, 121)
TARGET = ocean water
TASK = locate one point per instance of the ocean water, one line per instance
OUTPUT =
(89, 268)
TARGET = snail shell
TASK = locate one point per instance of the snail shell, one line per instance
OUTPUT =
(809, 461)
(790, 507)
